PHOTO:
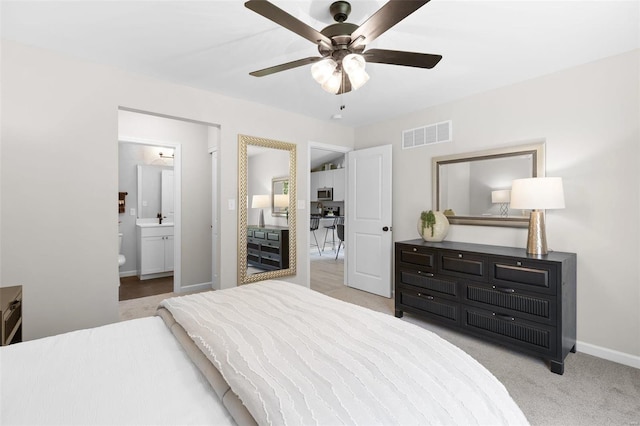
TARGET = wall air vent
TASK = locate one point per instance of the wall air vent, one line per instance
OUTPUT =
(427, 135)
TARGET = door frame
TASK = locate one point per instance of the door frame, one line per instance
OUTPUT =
(326, 147)
(177, 199)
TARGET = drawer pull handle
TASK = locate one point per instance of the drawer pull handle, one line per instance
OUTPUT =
(415, 249)
(426, 296)
(504, 290)
(428, 274)
(14, 305)
(504, 317)
(459, 255)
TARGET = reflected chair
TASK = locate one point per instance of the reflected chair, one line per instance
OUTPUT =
(315, 223)
(340, 232)
(337, 221)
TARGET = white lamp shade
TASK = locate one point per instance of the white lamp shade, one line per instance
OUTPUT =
(260, 202)
(281, 200)
(501, 196)
(332, 85)
(322, 70)
(537, 193)
(354, 64)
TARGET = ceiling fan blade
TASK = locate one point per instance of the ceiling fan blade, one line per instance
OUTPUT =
(280, 17)
(286, 66)
(386, 17)
(396, 57)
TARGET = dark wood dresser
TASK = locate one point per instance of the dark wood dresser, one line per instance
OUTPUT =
(11, 314)
(500, 294)
(268, 247)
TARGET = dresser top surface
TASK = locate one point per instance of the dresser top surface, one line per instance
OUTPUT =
(553, 256)
(8, 295)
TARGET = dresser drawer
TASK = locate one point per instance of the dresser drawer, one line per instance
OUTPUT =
(534, 307)
(531, 276)
(421, 257)
(511, 330)
(426, 302)
(464, 265)
(428, 281)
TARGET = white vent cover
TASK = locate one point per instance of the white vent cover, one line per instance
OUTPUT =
(427, 135)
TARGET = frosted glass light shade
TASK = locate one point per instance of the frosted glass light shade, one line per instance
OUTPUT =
(322, 70)
(260, 202)
(537, 193)
(332, 85)
(354, 65)
(501, 196)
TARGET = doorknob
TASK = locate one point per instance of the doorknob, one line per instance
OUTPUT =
(385, 229)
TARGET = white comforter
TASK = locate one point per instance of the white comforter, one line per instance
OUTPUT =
(297, 357)
(133, 372)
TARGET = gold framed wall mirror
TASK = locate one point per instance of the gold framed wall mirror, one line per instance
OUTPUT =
(474, 188)
(266, 197)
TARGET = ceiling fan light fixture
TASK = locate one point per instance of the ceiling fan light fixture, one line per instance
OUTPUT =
(354, 64)
(332, 85)
(323, 70)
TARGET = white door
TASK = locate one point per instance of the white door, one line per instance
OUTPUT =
(368, 238)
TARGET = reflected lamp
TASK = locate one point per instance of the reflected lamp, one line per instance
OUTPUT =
(260, 202)
(502, 197)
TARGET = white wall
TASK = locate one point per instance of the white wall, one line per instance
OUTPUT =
(60, 176)
(589, 116)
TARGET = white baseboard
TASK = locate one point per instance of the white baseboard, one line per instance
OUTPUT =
(128, 273)
(196, 287)
(609, 354)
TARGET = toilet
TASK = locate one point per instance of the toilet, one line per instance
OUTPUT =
(121, 258)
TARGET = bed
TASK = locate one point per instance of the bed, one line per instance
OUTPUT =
(265, 353)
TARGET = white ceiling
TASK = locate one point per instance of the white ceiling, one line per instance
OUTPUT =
(213, 45)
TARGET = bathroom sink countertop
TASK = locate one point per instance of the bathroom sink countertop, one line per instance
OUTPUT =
(153, 224)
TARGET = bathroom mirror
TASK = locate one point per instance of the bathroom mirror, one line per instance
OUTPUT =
(155, 191)
(262, 163)
(280, 196)
(473, 188)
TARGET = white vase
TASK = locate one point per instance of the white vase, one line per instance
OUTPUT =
(440, 228)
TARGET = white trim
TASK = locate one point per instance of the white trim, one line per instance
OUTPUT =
(128, 273)
(196, 287)
(608, 354)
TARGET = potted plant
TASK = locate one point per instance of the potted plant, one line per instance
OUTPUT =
(433, 225)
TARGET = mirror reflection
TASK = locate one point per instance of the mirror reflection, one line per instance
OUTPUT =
(474, 188)
(266, 234)
(155, 192)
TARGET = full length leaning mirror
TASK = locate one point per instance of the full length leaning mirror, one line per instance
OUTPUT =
(474, 188)
(266, 195)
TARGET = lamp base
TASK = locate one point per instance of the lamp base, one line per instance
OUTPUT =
(261, 220)
(537, 239)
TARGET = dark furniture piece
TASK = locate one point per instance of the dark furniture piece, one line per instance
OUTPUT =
(339, 220)
(11, 314)
(268, 247)
(500, 294)
(340, 231)
(315, 223)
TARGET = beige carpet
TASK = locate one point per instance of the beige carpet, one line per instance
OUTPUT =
(592, 391)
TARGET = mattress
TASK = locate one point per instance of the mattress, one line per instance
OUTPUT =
(132, 372)
(294, 356)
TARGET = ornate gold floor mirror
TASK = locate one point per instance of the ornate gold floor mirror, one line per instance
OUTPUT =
(266, 209)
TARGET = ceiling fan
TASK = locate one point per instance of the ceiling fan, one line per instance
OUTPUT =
(340, 66)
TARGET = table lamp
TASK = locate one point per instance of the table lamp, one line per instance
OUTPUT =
(260, 202)
(502, 197)
(537, 194)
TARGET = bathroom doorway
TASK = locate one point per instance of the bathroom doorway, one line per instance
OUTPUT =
(163, 141)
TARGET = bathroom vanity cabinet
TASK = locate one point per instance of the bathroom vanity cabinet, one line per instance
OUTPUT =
(155, 251)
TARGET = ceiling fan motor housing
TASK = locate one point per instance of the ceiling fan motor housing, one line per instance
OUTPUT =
(340, 10)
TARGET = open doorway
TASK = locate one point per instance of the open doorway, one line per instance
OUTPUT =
(155, 230)
(327, 212)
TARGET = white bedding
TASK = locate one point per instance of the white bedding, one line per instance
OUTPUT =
(133, 372)
(297, 357)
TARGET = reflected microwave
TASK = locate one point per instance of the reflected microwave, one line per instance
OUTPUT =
(325, 194)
